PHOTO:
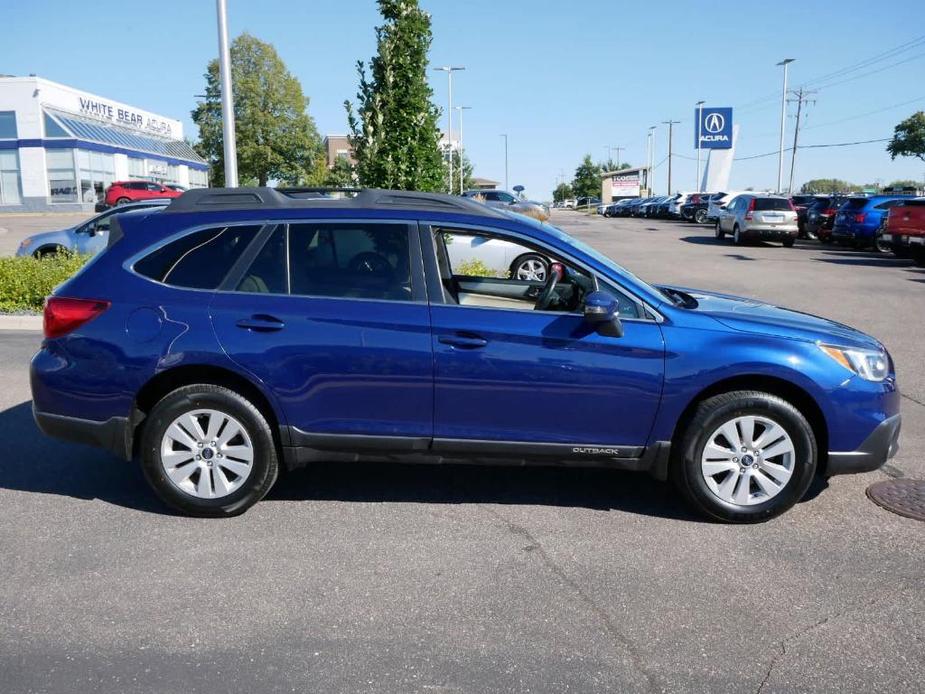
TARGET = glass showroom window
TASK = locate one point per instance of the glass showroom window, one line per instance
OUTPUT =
(136, 167)
(62, 183)
(97, 171)
(173, 173)
(9, 177)
(8, 125)
(198, 179)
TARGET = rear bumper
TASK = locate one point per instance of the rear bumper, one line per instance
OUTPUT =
(903, 240)
(112, 435)
(881, 445)
(773, 233)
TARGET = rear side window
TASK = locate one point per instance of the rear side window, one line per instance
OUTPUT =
(855, 203)
(762, 204)
(355, 260)
(199, 260)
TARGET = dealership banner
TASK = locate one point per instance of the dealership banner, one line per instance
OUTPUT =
(714, 128)
(625, 185)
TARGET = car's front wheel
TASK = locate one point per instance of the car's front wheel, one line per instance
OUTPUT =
(745, 457)
(700, 216)
(208, 452)
(122, 201)
(718, 231)
(737, 237)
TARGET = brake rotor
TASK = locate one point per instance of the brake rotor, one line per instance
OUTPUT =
(904, 497)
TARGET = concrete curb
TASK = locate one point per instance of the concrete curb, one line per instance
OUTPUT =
(20, 322)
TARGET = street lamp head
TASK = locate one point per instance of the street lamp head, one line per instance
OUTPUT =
(448, 68)
(786, 61)
(700, 103)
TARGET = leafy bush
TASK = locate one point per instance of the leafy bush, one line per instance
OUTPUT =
(478, 268)
(26, 281)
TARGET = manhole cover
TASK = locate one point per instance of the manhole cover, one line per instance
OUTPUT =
(905, 497)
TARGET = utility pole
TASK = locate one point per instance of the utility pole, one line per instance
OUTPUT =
(619, 149)
(670, 124)
(699, 106)
(783, 118)
(504, 135)
(224, 67)
(449, 70)
(650, 163)
(462, 151)
(800, 95)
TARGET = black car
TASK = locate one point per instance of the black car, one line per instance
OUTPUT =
(820, 216)
(801, 203)
(695, 210)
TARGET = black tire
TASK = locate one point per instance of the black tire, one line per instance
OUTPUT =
(881, 246)
(737, 237)
(788, 242)
(522, 259)
(811, 235)
(918, 256)
(265, 466)
(700, 217)
(825, 239)
(709, 416)
(48, 252)
(718, 231)
(122, 201)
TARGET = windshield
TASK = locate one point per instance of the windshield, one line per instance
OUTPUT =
(618, 270)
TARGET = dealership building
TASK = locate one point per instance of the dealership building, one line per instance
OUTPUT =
(61, 147)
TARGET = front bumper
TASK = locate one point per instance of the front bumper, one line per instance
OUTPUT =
(881, 445)
(113, 435)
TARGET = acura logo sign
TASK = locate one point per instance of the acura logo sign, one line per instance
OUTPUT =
(714, 123)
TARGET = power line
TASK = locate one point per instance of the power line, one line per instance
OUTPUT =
(885, 55)
(801, 98)
(864, 115)
(833, 144)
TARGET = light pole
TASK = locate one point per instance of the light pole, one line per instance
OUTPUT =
(449, 70)
(504, 135)
(462, 151)
(224, 67)
(783, 115)
(651, 162)
(699, 105)
(670, 124)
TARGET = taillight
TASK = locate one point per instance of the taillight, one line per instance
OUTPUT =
(830, 211)
(750, 210)
(62, 315)
(859, 218)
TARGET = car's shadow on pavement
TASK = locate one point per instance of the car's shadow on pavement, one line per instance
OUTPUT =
(32, 462)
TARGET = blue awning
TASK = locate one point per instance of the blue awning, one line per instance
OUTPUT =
(108, 134)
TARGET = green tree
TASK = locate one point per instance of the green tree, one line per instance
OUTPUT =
(904, 183)
(466, 171)
(341, 175)
(276, 138)
(828, 185)
(587, 181)
(393, 128)
(909, 138)
(562, 192)
(611, 165)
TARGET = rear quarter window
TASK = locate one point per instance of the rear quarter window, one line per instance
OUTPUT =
(199, 260)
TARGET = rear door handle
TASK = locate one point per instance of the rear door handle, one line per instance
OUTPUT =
(463, 341)
(261, 324)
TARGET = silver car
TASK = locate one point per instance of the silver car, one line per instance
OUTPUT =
(765, 217)
(87, 238)
(505, 200)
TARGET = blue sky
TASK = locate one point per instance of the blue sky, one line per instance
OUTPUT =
(561, 82)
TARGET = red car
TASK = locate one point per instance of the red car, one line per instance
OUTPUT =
(121, 192)
(904, 230)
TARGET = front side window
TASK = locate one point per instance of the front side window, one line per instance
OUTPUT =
(8, 125)
(199, 260)
(492, 271)
(9, 177)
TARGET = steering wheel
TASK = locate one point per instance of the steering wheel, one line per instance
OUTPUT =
(556, 272)
(370, 263)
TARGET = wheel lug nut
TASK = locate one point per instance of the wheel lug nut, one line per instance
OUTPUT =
(744, 449)
(199, 444)
(212, 444)
(198, 457)
(735, 460)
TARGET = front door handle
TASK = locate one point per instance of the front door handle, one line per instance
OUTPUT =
(463, 341)
(261, 324)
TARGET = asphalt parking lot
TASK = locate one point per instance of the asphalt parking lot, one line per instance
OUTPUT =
(383, 578)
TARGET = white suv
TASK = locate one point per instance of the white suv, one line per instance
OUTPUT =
(720, 200)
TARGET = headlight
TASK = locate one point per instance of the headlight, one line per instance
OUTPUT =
(871, 365)
(25, 243)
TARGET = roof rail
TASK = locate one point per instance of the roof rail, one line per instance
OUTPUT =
(265, 198)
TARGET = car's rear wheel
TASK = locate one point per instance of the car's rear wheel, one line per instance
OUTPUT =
(745, 457)
(208, 452)
(530, 267)
(918, 256)
(718, 231)
(788, 242)
(122, 201)
(700, 216)
(810, 234)
(882, 246)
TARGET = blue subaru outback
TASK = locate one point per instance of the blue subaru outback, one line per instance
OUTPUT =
(238, 330)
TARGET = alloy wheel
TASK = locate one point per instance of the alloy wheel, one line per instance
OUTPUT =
(531, 270)
(748, 460)
(207, 454)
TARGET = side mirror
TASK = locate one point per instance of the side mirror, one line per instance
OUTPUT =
(602, 312)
